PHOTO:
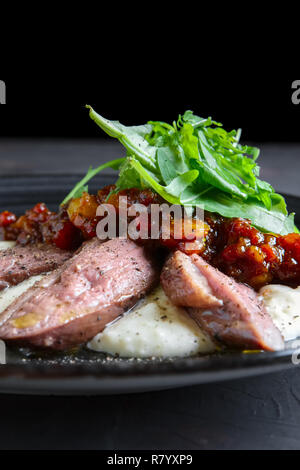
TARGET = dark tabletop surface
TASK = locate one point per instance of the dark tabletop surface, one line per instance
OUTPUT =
(256, 413)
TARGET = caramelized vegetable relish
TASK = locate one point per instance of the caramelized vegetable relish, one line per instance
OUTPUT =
(232, 245)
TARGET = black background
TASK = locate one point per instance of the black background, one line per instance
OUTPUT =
(52, 105)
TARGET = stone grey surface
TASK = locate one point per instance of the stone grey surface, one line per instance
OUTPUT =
(41, 156)
(259, 413)
(280, 163)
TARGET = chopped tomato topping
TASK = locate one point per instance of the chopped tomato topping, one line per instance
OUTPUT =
(231, 245)
(7, 218)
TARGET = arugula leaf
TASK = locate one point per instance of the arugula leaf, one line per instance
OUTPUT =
(195, 161)
(170, 193)
(166, 161)
(133, 138)
(179, 184)
(81, 187)
(79, 191)
(215, 174)
(274, 220)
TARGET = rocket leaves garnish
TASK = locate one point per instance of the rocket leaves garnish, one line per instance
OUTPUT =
(195, 162)
(82, 187)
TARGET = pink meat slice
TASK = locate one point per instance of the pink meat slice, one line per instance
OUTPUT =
(231, 313)
(21, 262)
(74, 303)
(185, 285)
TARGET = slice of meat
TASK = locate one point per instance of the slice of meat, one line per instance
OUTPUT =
(74, 303)
(185, 285)
(21, 262)
(240, 320)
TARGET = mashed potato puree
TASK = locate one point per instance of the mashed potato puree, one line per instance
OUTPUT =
(156, 328)
(6, 245)
(283, 305)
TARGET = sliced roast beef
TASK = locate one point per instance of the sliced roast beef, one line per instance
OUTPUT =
(229, 312)
(21, 262)
(74, 303)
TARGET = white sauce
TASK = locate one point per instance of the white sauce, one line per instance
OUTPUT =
(6, 245)
(283, 305)
(155, 328)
